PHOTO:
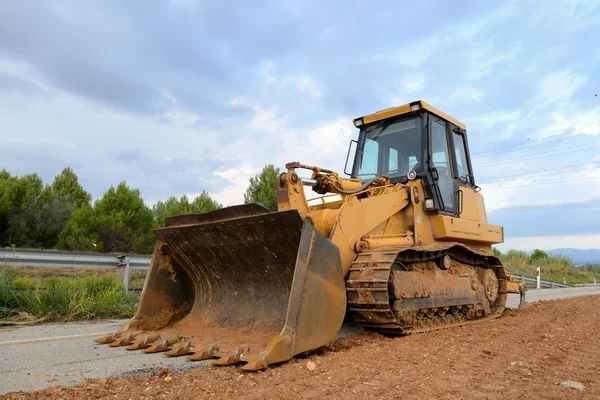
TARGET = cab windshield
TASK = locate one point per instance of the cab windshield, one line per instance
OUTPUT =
(390, 148)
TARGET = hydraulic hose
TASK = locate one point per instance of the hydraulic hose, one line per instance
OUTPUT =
(360, 189)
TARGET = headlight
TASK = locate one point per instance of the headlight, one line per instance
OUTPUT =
(358, 122)
(429, 204)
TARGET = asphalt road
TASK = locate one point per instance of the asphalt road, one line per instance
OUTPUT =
(37, 357)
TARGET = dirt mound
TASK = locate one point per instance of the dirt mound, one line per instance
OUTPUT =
(524, 354)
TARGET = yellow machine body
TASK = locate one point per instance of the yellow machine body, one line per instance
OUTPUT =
(245, 285)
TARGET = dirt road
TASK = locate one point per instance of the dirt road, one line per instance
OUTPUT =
(524, 354)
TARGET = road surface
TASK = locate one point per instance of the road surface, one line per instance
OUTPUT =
(36, 357)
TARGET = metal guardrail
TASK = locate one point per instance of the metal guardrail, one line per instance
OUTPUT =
(51, 258)
(543, 283)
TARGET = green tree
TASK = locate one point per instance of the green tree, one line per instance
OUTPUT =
(263, 188)
(80, 232)
(124, 222)
(33, 214)
(537, 255)
(39, 225)
(119, 222)
(6, 182)
(67, 183)
(17, 196)
(173, 206)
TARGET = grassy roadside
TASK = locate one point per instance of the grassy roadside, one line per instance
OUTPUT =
(553, 267)
(35, 294)
(30, 295)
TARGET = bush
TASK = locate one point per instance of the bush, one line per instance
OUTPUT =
(63, 298)
(23, 283)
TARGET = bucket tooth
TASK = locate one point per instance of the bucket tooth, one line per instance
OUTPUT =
(161, 345)
(106, 339)
(143, 341)
(181, 348)
(256, 363)
(203, 353)
(229, 358)
(125, 340)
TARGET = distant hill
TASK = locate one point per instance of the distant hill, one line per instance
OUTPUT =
(589, 256)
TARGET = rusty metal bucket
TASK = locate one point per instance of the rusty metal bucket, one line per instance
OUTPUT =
(240, 284)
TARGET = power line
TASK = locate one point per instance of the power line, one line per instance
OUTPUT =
(506, 148)
(542, 172)
(543, 182)
(543, 154)
(544, 207)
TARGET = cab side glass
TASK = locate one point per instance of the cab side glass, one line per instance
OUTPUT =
(461, 156)
(441, 162)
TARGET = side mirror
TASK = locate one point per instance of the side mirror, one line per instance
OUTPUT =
(348, 156)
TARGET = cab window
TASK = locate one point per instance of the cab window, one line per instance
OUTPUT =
(441, 161)
(390, 148)
(461, 155)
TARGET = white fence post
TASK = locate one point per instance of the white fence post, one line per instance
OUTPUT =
(126, 275)
(565, 280)
(539, 280)
(123, 261)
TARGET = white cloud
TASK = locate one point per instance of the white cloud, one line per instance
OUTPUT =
(267, 120)
(527, 190)
(323, 144)
(417, 53)
(563, 117)
(414, 82)
(23, 72)
(551, 242)
(467, 94)
(497, 123)
(182, 119)
(263, 119)
(237, 181)
(304, 83)
(587, 122)
(559, 85)
(267, 73)
(240, 101)
(484, 56)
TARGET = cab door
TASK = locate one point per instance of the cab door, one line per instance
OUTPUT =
(470, 203)
(442, 166)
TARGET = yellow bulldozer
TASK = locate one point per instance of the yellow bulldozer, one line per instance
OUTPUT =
(402, 246)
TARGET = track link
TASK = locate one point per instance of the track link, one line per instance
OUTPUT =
(371, 303)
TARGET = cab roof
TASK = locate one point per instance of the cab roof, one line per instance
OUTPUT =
(408, 108)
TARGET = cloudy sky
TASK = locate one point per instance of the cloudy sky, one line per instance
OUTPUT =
(181, 96)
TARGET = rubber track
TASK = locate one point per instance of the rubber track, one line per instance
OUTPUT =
(367, 288)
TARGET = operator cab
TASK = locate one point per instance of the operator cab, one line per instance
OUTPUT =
(416, 141)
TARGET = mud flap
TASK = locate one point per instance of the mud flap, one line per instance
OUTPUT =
(248, 285)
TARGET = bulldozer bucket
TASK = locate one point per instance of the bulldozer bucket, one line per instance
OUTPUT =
(239, 284)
